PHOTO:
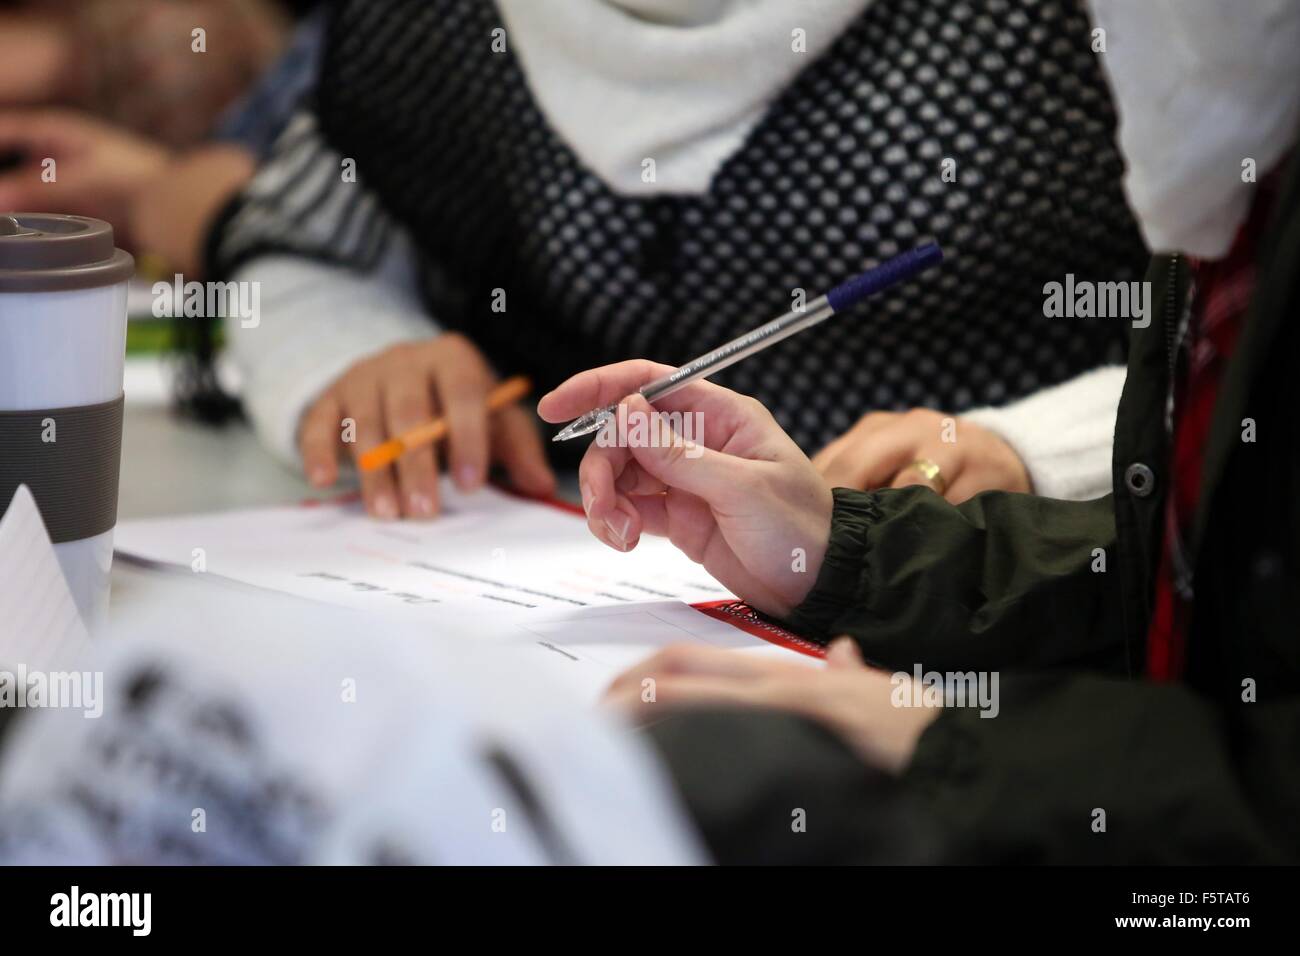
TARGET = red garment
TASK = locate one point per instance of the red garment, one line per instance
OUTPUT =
(1221, 293)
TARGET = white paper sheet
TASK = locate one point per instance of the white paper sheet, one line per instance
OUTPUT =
(490, 553)
(40, 628)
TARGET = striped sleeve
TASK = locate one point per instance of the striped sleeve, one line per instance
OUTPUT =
(301, 203)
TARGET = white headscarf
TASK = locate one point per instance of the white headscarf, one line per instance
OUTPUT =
(681, 82)
(1201, 86)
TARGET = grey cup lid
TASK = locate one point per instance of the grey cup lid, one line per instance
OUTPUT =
(48, 253)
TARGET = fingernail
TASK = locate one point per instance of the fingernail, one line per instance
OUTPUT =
(385, 507)
(467, 477)
(587, 497)
(618, 531)
(421, 505)
(318, 476)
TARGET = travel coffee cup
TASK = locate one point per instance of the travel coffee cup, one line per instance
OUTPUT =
(63, 286)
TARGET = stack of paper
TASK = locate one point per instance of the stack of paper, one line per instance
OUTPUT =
(494, 569)
(241, 727)
(490, 553)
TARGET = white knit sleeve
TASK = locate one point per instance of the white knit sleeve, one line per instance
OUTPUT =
(316, 320)
(1063, 434)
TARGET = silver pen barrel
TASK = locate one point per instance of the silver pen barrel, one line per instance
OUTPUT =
(739, 349)
(734, 351)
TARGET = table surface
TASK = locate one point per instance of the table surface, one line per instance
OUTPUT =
(173, 466)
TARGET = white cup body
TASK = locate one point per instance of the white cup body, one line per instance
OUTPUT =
(59, 350)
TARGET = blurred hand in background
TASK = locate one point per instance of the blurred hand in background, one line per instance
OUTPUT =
(112, 92)
(160, 201)
(133, 62)
(98, 170)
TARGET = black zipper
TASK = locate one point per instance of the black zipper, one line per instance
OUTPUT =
(1177, 323)
(1171, 327)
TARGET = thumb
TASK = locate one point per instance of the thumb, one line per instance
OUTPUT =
(679, 461)
(843, 653)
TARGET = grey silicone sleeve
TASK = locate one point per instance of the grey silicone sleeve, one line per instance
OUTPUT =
(74, 477)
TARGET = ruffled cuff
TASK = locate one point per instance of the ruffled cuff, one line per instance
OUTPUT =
(841, 583)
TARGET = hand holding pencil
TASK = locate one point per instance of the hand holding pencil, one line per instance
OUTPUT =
(431, 432)
(404, 388)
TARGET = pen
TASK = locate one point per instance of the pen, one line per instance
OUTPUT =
(507, 393)
(888, 273)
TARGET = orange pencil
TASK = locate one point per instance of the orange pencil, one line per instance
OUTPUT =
(507, 393)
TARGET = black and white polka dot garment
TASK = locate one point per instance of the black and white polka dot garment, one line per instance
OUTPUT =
(844, 171)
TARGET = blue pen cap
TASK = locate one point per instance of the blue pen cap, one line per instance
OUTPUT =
(903, 266)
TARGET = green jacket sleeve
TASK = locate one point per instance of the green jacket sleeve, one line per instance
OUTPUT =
(1000, 581)
(1089, 769)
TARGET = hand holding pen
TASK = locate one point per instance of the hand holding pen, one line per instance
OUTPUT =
(746, 502)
